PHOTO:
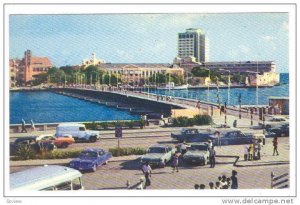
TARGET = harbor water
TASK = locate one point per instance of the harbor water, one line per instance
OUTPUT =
(48, 107)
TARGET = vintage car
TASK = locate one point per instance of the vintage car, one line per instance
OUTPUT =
(90, 159)
(274, 121)
(158, 155)
(278, 131)
(30, 142)
(60, 142)
(197, 153)
(235, 137)
(193, 135)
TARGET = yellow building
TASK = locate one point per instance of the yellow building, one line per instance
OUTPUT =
(139, 72)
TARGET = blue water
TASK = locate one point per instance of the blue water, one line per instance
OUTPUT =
(248, 94)
(49, 107)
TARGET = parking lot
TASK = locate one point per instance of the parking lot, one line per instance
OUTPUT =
(114, 175)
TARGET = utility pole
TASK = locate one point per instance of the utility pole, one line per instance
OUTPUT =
(240, 106)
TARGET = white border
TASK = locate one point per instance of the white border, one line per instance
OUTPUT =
(87, 9)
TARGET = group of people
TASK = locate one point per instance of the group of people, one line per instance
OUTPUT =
(222, 183)
(32, 126)
(253, 151)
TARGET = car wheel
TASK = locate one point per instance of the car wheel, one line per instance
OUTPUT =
(64, 145)
(93, 139)
(94, 168)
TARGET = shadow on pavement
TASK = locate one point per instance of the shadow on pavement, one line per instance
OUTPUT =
(131, 165)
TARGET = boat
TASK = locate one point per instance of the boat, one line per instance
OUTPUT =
(171, 86)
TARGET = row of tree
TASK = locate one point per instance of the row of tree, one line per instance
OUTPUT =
(92, 75)
(217, 77)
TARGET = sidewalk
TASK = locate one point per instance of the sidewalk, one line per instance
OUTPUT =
(41, 162)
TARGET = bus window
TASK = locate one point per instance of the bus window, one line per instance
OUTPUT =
(49, 189)
(64, 186)
(76, 184)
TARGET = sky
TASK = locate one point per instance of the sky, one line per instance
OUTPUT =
(149, 38)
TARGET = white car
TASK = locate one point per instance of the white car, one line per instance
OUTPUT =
(77, 131)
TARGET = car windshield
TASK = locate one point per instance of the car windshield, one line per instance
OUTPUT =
(198, 147)
(88, 154)
(156, 150)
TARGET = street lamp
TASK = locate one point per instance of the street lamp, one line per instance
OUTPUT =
(229, 82)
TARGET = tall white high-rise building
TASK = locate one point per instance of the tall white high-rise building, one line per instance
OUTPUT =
(193, 43)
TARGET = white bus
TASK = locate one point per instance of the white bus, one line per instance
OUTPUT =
(46, 178)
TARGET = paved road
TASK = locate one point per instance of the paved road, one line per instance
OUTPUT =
(251, 174)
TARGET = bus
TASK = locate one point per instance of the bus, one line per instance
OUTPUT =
(46, 178)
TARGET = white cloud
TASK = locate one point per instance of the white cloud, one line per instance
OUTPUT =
(268, 38)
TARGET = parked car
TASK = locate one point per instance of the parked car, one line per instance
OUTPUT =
(197, 153)
(158, 155)
(279, 131)
(77, 131)
(32, 143)
(234, 137)
(193, 135)
(90, 159)
(60, 142)
(274, 121)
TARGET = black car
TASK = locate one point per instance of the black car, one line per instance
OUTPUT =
(234, 137)
(192, 135)
(31, 142)
(279, 131)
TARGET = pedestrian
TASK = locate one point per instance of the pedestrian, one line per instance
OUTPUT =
(32, 125)
(140, 185)
(245, 152)
(202, 186)
(224, 184)
(234, 180)
(228, 181)
(275, 146)
(183, 148)
(250, 151)
(175, 161)
(147, 172)
(218, 137)
(212, 157)
(218, 185)
(196, 186)
(23, 126)
(235, 123)
(211, 185)
(259, 147)
(210, 144)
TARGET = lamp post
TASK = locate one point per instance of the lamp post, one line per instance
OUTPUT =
(228, 83)
(240, 106)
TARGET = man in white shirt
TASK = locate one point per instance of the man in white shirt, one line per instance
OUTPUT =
(147, 172)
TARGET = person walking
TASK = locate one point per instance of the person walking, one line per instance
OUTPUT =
(234, 180)
(259, 147)
(210, 144)
(147, 172)
(32, 125)
(23, 126)
(275, 146)
(250, 152)
(183, 148)
(212, 157)
(245, 152)
(175, 161)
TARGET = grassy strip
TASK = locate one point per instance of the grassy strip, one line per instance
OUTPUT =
(64, 154)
